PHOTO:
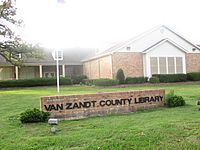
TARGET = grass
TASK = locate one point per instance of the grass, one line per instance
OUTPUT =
(164, 128)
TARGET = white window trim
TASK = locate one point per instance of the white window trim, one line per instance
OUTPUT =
(166, 59)
(175, 72)
(184, 65)
(158, 62)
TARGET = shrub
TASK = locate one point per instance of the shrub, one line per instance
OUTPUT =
(171, 77)
(193, 76)
(120, 76)
(34, 82)
(105, 82)
(172, 100)
(78, 79)
(87, 82)
(35, 115)
(154, 80)
(134, 80)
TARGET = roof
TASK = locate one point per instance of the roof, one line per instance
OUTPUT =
(71, 56)
(121, 45)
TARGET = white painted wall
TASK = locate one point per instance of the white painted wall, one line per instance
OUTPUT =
(166, 49)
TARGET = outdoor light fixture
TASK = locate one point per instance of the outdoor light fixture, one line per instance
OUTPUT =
(57, 55)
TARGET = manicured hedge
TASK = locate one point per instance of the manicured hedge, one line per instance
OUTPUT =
(193, 76)
(34, 82)
(105, 82)
(87, 82)
(135, 80)
(154, 80)
(78, 79)
(171, 77)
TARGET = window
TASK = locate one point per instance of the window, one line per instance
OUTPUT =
(179, 65)
(166, 65)
(19, 55)
(171, 65)
(162, 65)
(128, 48)
(49, 74)
(154, 65)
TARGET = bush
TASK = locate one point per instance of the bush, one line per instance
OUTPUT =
(105, 82)
(164, 78)
(78, 79)
(174, 100)
(35, 115)
(87, 82)
(154, 80)
(120, 76)
(34, 82)
(193, 76)
(134, 80)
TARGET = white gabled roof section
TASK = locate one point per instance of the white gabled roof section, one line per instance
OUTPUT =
(150, 39)
(117, 47)
(163, 41)
(179, 35)
(139, 37)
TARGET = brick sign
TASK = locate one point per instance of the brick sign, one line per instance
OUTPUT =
(81, 106)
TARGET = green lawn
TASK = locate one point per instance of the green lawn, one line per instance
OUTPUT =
(164, 128)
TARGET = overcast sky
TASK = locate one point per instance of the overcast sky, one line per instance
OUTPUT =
(102, 23)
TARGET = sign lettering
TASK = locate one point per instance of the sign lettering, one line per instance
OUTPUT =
(78, 106)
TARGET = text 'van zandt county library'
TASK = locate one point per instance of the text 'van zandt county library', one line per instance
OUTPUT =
(158, 51)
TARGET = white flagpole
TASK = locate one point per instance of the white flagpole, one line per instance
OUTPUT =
(58, 84)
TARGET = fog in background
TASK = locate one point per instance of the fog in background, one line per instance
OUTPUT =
(100, 24)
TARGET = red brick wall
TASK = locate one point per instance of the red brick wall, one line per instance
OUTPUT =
(193, 62)
(98, 68)
(81, 106)
(130, 62)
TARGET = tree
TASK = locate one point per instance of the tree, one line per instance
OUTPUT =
(120, 76)
(11, 45)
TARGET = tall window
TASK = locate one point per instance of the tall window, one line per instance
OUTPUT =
(171, 65)
(162, 65)
(179, 65)
(154, 65)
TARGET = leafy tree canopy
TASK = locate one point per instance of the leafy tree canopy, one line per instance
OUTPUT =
(11, 45)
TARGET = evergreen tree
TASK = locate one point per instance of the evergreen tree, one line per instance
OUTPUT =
(120, 76)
